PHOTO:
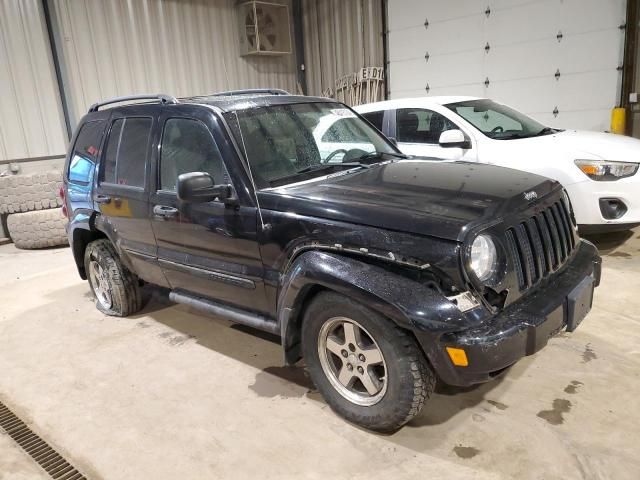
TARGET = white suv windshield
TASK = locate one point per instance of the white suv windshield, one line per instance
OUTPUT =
(498, 121)
(289, 143)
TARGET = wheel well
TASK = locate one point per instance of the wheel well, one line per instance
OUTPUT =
(292, 343)
(82, 238)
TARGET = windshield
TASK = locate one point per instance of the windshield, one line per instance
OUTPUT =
(290, 143)
(498, 121)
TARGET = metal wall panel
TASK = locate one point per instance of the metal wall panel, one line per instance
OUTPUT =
(178, 47)
(453, 48)
(341, 37)
(31, 121)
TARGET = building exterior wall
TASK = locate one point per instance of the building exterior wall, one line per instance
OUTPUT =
(185, 47)
(340, 37)
(31, 119)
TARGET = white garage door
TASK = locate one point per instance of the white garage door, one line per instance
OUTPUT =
(556, 60)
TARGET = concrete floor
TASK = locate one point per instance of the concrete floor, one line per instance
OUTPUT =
(173, 394)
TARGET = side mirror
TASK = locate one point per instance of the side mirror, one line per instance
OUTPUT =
(453, 139)
(393, 140)
(198, 187)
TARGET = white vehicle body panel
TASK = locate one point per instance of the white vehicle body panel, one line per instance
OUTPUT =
(552, 156)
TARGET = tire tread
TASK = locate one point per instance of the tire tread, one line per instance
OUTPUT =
(126, 296)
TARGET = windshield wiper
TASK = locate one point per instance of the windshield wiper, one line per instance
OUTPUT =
(511, 136)
(316, 168)
(377, 155)
(545, 131)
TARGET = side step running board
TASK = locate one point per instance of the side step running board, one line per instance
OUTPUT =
(229, 313)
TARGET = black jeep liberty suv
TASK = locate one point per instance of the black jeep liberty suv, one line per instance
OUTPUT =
(294, 215)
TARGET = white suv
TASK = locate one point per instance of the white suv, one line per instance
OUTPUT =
(597, 169)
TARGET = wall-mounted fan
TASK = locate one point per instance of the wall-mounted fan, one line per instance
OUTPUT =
(264, 28)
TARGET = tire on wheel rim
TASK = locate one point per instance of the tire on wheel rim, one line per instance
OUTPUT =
(352, 361)
(368, 369)
(114, 286)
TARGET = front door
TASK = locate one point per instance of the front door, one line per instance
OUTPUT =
(418, 131)
(206, 248)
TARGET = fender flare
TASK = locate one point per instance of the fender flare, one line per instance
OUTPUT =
(406, 302)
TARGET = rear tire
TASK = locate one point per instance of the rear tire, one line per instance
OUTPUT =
(115, 288)
(387, 378)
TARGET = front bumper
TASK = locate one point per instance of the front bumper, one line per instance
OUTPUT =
(522, 328)
(586, 195)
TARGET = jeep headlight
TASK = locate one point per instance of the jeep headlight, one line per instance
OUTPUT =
(605, 170)
(484, 257)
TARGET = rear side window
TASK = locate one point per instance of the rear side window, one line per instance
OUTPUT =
(126, 151)
(84, 156)
(187, 146)
(375, 118)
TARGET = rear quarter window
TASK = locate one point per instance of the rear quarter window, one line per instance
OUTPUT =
(84, 156)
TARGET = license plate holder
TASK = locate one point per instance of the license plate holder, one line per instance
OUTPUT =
(579, 303)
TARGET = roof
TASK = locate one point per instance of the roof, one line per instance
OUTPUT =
(225, 101)
(241, 102)
(412, 102)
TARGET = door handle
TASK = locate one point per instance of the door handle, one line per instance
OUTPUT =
(104, 199)
(164, 211)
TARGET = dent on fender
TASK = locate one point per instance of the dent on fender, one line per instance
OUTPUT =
(408, 303)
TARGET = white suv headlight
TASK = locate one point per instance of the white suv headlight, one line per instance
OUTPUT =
(605, 170)
(484, 257)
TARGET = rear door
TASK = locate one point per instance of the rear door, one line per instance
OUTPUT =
(122, 192)
(206, 248)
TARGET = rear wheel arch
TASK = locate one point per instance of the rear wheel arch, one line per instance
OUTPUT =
(82, 237)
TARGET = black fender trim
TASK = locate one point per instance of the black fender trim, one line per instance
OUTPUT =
(409, 304)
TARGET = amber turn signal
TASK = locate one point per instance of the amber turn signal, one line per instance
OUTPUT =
(458, 356)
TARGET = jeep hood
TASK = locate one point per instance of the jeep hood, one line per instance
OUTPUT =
(438, 198)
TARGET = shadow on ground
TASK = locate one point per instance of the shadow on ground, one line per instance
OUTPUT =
(609, 243)
(263, 351)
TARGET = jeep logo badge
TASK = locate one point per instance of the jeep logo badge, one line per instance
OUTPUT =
(532, 195)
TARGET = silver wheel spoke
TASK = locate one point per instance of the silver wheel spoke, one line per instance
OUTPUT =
(373, 356)
(334, 347)
(359, 373)
(369, 383)
(100, 284)
(345, 377)
(351, 333)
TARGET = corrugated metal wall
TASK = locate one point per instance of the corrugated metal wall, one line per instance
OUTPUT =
(179, 47)
(31, 122)
(341, 36)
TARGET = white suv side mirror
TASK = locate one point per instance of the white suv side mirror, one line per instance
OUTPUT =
(453, 138)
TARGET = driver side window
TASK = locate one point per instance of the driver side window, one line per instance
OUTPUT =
(187, 146)
(421, 126)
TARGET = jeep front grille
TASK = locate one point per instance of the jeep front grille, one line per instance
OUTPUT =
(541, 244)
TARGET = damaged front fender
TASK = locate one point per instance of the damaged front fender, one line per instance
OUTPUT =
(408, 303)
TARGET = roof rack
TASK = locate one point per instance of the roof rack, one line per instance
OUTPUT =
(251, 91)
(162, 98)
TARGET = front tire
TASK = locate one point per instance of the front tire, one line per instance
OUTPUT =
(115, 288)
(368, 370)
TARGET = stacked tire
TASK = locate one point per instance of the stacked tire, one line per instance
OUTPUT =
(32, 202)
